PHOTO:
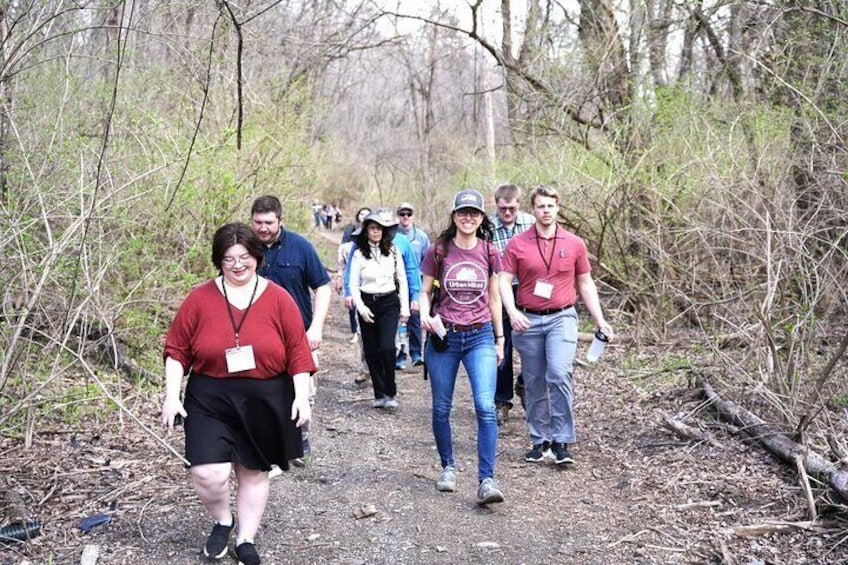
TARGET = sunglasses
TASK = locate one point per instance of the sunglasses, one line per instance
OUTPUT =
(405, 214)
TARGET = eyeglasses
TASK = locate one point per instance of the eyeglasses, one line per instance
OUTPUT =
(469, 212)
(405, 214)
(231, 261)
(510, 209)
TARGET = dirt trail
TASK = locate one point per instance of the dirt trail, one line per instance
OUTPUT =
(635, 495)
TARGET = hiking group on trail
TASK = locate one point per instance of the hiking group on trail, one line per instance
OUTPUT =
(486, 285)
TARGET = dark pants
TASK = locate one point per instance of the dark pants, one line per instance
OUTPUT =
(378, 342)
(352, 316)
(504, 390)
(413, 331)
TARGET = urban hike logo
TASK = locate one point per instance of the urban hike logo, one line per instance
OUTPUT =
(465, 282)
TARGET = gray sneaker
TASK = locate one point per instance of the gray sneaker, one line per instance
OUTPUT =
(379, 403)
(447, 479)
(390, 402)
(489, 492)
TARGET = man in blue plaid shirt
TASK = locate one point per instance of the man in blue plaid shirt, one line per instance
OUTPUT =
(509, 221)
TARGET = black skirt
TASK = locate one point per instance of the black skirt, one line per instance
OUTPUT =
(239, 420)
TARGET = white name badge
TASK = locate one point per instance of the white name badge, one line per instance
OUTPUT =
(543, 289)
(240, 359)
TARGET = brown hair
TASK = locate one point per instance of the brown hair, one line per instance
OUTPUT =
(543, 190)
(265, 204)
(507, 192)
(236, 233)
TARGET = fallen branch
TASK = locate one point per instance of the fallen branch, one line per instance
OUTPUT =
(776, 442)
(757, 530)
(688, 432)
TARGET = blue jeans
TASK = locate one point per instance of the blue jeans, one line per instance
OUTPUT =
(547, 352)
(476, 350)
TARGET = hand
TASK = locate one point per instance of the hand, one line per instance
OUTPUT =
(339, 286)
(366, 314)
(349, 303)
(314, 336)
(519, 321)
(499, 350)
(427, 324)
(170, 408)
(413, 306)
(606, 328)
(403, 319)
(301, 410)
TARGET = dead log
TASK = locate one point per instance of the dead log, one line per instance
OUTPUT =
(776, 442)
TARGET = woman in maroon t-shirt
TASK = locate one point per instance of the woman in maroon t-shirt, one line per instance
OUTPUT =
(241, 340)
(467, 314)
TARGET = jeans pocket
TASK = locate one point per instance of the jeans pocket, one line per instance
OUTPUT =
(569, 329)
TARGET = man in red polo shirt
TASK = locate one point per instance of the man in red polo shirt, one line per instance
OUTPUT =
(552, 267)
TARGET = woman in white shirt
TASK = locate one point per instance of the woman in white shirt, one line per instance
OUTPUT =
(379, 290)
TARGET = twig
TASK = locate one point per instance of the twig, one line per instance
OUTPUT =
(663, 548)
(805, 484)
(700, 504)
(141, 517)
(629, 538)
(688, 432)
(352, 400)
(756, 530)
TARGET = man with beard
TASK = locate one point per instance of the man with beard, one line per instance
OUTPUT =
(292, 263)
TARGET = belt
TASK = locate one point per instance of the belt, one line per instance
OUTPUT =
(463, 327)
(379, 294)
(546, 312)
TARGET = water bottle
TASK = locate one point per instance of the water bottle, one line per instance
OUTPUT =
(597, 348)
(400, 338)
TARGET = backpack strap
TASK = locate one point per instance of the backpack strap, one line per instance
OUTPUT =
(439, 256)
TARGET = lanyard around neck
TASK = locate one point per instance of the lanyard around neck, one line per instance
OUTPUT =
(237, 328)
(550, 261)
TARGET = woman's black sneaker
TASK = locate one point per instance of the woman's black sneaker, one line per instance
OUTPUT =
(538, 453)
(218, 540)
(246, 554)
(561, 454)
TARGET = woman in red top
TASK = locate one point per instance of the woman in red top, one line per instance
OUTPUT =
(241, 340)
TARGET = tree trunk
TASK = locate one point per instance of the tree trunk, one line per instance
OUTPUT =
(605, 53)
